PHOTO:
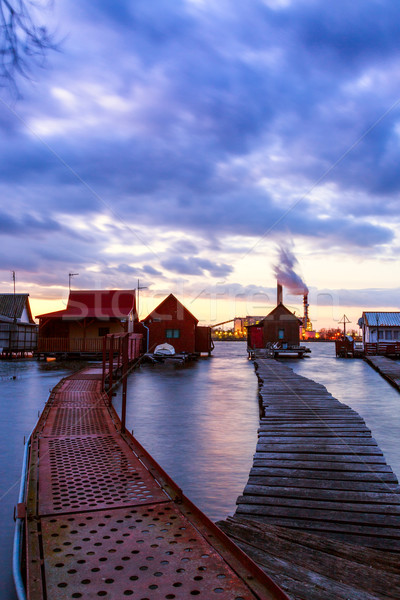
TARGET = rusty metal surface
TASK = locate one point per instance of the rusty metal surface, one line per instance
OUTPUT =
(148, 552)
(81, 385)
(77, 421)
(100, 524)
(90, 473)
(78, 399)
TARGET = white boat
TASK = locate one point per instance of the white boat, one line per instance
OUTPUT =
(164, 350)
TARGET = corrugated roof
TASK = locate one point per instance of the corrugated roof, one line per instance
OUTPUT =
(12, 305)
(382, 319)
(100, 304)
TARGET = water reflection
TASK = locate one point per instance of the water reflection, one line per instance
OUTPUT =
(200, 423)
(358, 385)
(24, 389)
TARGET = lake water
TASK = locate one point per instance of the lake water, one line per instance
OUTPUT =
(198, 421)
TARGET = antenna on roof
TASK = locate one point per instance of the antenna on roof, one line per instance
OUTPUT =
(14, 305)
(70, 275)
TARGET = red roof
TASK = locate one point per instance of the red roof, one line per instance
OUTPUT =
(169, 305)
(100, 304)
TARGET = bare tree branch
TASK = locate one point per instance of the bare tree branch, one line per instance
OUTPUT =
(22, 40)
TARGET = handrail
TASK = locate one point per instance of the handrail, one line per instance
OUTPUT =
(18, 535)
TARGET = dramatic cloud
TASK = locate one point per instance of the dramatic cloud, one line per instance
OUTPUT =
(170, 139)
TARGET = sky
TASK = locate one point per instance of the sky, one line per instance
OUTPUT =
(185, 143)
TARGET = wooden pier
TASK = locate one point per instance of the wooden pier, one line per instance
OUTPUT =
(321, 509)
(102, 519)
(317, 467)
(388, 368)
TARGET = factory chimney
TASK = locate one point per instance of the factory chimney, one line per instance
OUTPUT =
(279, 293)
(305, 317)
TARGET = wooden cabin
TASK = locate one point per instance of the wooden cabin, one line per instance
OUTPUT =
(172, 323)
(90, 315)
(381, 332)
(280, 325)
(18, 330)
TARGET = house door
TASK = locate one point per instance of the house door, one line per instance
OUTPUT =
(256, 337)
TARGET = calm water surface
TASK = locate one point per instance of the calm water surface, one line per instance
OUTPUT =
(199, 422)
(358, 385)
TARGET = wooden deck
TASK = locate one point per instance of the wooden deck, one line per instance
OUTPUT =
(102, 519)
(388, 368)
(317, 468)
(312, 567)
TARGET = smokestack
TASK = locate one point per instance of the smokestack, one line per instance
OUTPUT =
(279, 293)
(305, 317)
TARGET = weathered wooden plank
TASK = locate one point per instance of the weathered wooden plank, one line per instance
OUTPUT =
(384, 523)
(316, 441)
(381, 560)
(367, 513)
(342, 496)
(321, 447)
(326, 483)
(360, 568)
(365, 536)
(354, 474)
(334, 464)
(266, 426)
(299, 434)
(321, 456)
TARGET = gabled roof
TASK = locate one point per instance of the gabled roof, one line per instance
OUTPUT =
(13, 305)
(163, 310)
(100, 304)
(276, 313)
(381, 319)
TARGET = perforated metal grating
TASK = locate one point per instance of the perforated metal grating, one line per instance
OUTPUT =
(148, 553)
(80, 385)
(77, 421)
(78, 399)
(89, 473)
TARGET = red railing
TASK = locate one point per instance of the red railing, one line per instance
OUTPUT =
(382, 348)
(90, 345)
(119, 352)
(70, 345)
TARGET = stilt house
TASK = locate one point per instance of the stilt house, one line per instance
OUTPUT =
(79, 329)
(171, 322)
(280, 325)
(18, 330)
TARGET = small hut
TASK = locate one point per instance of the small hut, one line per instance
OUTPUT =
(280, 327)
(171, 322)
(18, 330)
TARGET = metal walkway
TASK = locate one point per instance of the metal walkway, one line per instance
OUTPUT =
(103, 520)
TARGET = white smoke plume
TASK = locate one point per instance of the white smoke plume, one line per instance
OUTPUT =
(285, 271)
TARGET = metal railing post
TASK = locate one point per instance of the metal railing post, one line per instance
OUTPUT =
(125, 343)
(110, 368)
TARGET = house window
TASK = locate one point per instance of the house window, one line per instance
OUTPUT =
(281, 334)
(396, 335)
(172, 333)
(380, 334)
(388, 334)
(103, 331)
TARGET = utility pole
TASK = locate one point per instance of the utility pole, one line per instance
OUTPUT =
(344, 321)
(70, 275)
